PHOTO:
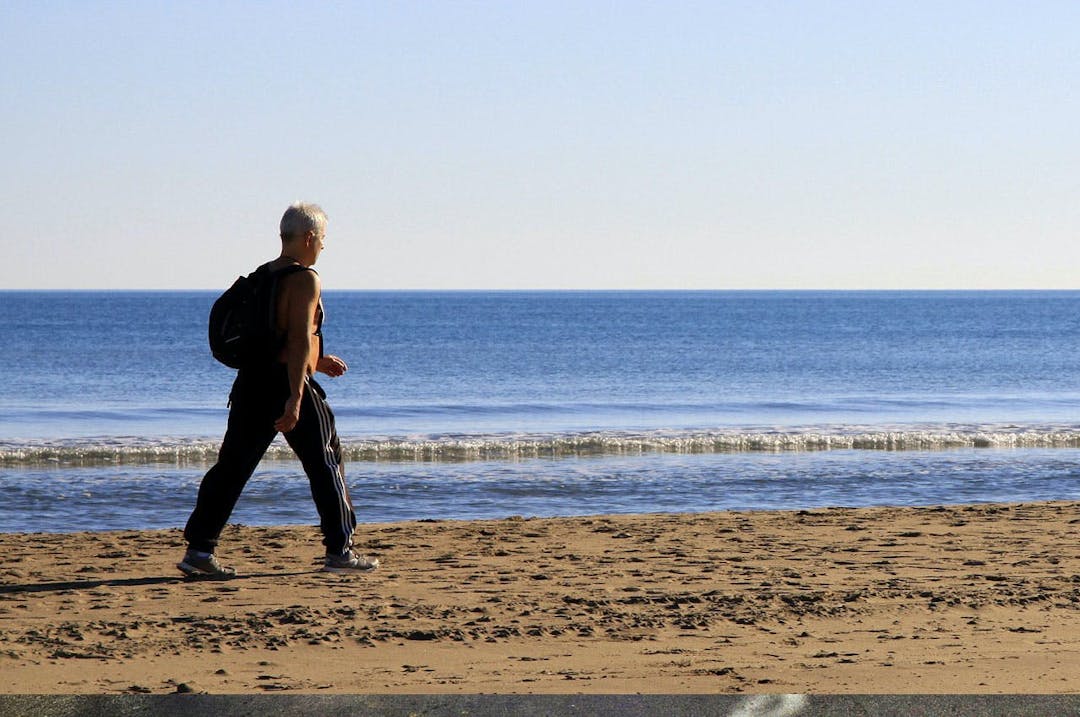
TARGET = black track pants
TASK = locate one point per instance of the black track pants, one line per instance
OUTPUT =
(257, 400)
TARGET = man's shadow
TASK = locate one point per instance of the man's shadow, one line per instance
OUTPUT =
(135, 582)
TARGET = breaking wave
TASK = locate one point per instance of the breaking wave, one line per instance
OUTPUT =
(462, 448)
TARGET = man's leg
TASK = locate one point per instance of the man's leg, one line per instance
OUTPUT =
(316, 443)
(248, 436)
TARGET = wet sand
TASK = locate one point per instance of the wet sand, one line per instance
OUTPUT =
(958, 599)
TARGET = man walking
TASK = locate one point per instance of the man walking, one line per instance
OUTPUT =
(281, 395)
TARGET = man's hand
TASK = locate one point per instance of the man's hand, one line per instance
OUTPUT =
(332, 366)
(289, 418)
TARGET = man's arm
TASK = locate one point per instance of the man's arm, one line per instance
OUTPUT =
(301, 300)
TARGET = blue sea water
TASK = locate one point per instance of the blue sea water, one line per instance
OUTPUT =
(488, 404)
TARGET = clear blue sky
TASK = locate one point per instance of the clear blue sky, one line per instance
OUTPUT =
(544, 144)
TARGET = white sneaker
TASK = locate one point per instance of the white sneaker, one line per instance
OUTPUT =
(350, 562)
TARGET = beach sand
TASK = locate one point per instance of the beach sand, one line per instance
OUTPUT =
(958, 599)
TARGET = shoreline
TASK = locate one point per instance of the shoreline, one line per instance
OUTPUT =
(981, 598)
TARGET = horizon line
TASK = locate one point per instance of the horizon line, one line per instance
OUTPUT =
(560, 290)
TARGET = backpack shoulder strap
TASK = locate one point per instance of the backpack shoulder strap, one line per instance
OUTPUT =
(279, 274)
(275, 278)
(290, 269)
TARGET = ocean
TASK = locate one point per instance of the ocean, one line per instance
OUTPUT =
(490, 404)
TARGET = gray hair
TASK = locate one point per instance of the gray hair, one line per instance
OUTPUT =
(302, 217)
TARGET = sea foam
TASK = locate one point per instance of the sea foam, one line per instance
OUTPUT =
(459, 448)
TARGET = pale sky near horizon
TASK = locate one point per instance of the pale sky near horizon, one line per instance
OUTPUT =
(544, 145)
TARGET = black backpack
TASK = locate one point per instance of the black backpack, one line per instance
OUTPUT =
(242, 327)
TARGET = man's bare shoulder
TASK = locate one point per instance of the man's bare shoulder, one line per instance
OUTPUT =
(301, 283)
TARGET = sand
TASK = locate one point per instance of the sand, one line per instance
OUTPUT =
(959, 599)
